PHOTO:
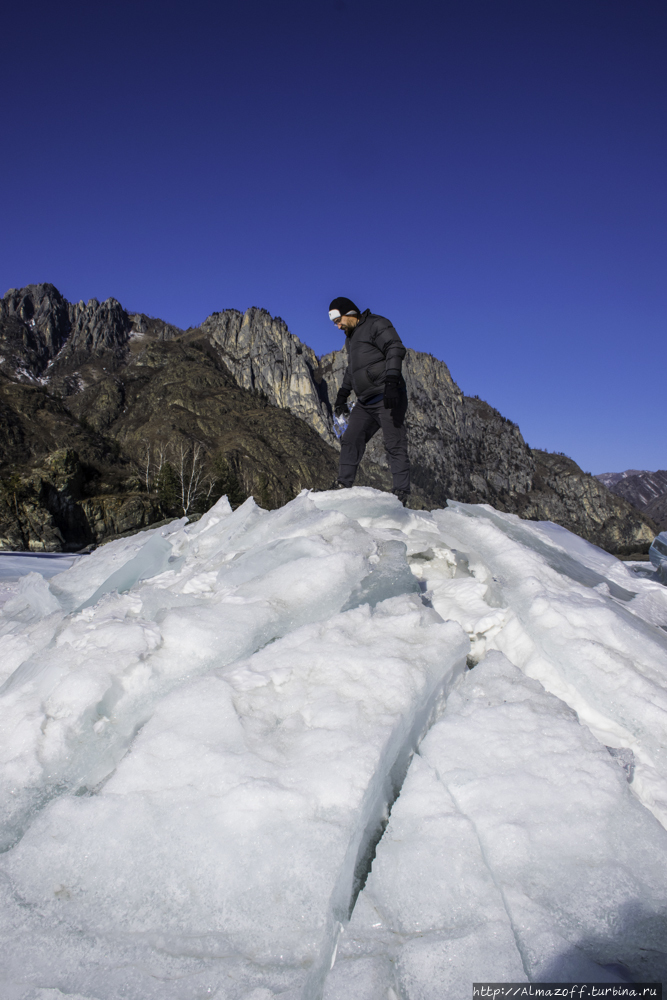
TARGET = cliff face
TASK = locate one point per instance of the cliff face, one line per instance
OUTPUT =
(563, 493)
(263, 356)
(106, 384)
(48, 509)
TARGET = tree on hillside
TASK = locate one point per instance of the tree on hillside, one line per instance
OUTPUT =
(153, 459)
(195, 486)
(185, 481)
(227, 483)
(166, 487)
(265, 499)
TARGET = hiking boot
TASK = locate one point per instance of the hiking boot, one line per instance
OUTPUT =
(403, 496)
(336, 485)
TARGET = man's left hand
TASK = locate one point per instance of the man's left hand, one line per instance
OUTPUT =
(392, 391)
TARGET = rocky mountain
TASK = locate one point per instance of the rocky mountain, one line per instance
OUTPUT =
(97, 405)
(647, 491)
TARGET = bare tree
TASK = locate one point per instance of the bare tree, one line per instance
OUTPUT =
(152, 462)
(184, 465)
(193, 482)
(162, 453)
(145, 467)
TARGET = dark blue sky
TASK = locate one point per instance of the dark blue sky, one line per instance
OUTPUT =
(490, 174)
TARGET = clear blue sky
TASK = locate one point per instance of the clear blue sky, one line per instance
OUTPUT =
(490, 174)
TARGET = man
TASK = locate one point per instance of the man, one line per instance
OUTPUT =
(375, 353)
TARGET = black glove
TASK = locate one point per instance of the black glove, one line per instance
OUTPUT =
(392, 390)
(340, 406)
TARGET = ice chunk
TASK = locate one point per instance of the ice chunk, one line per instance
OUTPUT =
(83, 685)
(151, 560)
(249, 799)
(77, 584)
(390, 576)
(658, 555)
(32, 600)
(555, 556)
(106, 667)
(430, 905)
(456, 594)
(582, 866)
(515, 851)
(339, 425)
(364, 504)
(583, 643)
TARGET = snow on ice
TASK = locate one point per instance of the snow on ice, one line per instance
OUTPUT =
(247, 758)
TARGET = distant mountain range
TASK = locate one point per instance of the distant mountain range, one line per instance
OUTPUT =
(108, 418)
(647, 491)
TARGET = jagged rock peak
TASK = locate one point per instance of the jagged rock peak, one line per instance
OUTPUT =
(265, 357)
(44, 314)
(147, 326)
(98, 326)
(38, 324)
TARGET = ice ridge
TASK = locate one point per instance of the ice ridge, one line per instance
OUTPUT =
(245, 759)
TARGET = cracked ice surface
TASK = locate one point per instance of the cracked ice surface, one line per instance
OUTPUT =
(509, 859)
(204, 728)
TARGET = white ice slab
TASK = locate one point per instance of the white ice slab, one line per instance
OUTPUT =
(246, 804)
(577, 630)
(515, 853)
(229, 837)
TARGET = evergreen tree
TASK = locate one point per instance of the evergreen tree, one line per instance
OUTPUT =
(264, 495)
(166, 487)
(226, 483)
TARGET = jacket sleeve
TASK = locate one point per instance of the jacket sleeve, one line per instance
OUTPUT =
(391, 345)
(346, 386)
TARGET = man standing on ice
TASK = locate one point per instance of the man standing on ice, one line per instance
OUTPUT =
(375, 353)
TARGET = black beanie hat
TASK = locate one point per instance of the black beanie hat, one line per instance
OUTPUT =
(343, 307)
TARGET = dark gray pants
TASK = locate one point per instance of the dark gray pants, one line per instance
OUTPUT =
(365, 421)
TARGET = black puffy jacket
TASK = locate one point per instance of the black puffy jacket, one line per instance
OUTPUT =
(373, 349)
